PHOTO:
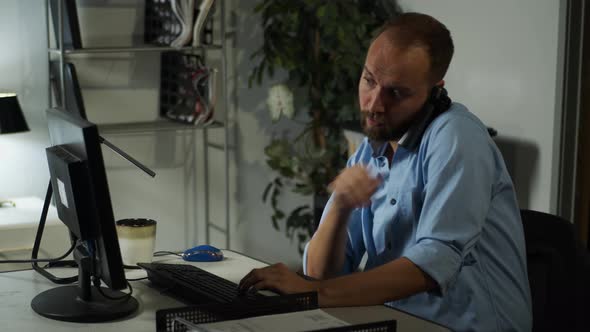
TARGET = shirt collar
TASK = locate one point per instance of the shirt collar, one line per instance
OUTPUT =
(378, 147)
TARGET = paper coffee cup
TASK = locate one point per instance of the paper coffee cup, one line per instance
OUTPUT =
(137, 239)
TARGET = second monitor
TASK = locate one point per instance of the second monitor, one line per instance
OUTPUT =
(78, 178)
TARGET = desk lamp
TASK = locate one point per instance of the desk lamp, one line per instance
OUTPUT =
(12, 121)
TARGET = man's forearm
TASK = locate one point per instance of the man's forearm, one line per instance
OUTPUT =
(395, 280)
(326, 251)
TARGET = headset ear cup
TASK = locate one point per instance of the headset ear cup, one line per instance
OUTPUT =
(445, 100)
(440, 99)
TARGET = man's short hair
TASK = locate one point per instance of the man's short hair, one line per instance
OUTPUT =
(416, 29)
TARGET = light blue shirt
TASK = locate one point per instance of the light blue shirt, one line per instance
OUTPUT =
(450, 207)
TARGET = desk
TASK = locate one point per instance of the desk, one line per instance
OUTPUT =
(17, 289)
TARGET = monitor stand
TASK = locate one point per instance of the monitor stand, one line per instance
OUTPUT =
(83, 303)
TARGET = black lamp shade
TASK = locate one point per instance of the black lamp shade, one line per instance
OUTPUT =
(12, 119)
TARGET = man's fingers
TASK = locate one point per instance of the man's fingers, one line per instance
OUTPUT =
(250, 279)
(246, 282)
(257, 275)
(269, 284)
(354, 187)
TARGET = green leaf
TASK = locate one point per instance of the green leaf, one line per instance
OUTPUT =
(275, 224)
(302, 237)
(260, 73)
(321, 11)
(274, 198)
(332, 10)
(261, 6)
(266, 191)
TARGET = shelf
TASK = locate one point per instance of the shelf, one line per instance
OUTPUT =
(133, 49)
(151, 126)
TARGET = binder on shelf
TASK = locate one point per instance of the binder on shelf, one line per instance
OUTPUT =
(71, 30)
(186, 318)
(161, 26)
(187, 89)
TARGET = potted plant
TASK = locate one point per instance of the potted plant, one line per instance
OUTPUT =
(321, 45)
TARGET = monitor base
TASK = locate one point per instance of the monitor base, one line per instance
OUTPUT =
(65, 304)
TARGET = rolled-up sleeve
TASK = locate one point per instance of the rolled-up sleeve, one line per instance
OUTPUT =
(458, 169)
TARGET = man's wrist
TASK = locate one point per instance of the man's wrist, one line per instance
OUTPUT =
(340, 207)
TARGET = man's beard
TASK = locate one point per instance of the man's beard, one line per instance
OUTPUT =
(384, 133)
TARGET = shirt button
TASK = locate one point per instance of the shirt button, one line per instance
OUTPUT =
(393, 201)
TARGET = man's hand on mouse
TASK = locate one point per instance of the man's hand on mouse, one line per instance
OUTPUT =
(277, 278)
(353, 188)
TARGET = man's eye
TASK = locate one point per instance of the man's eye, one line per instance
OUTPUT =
(369, 81)
(395, 93)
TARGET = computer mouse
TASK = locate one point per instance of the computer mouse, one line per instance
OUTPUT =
(202, 253)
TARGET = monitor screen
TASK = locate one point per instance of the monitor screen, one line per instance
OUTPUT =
(79, 181)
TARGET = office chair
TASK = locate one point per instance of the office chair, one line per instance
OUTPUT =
(559, 273)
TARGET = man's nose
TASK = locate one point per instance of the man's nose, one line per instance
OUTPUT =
(376, 101)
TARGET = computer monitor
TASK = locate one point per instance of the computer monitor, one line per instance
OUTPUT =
(79, 181)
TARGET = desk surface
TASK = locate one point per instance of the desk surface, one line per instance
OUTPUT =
(17, 289)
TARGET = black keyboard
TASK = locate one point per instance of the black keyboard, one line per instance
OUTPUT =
(195, 285)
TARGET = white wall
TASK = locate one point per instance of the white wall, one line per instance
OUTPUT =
(254, 130)
(507, 70)
(23, 170)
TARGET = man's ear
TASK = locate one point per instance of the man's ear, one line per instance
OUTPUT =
(440, 84)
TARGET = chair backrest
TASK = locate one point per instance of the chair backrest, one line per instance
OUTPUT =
(557, 272)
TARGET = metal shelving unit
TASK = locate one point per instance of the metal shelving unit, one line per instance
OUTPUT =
(159, 124)
(149, 126)
(135, 49)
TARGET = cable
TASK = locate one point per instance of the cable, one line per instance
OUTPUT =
(137, 279)
(165, 253)
(131, 267)
(68, 263)
(157, 254)
(184, 12)
(100, 290)
(40, 260)
(204, 11)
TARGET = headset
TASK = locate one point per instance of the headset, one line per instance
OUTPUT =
(437, 103)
